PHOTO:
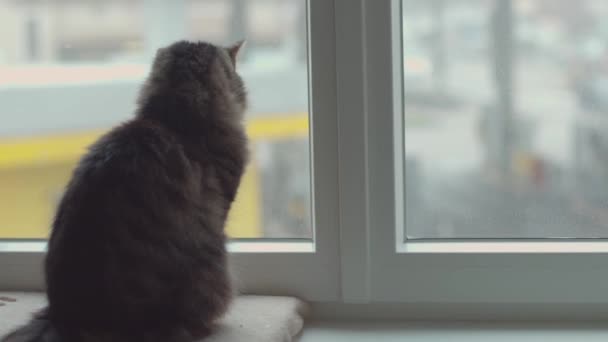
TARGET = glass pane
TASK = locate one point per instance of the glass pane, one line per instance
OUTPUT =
(506, 118)
(70, 70)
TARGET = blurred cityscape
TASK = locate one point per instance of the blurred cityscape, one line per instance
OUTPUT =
(506, 134)
(506, 118)
(71, 69)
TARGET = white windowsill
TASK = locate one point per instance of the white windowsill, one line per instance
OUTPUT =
(505, 247)
(239, 246)
(304, 246)
(267, 246)
(456, 332)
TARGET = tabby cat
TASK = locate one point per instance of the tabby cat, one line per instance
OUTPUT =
(137, 249)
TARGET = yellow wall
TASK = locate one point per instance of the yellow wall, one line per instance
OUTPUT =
(33, 172)
(244, 220)
(29, 196)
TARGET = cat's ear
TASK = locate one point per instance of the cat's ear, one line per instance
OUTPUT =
(233, 51)
(161, 59)
(162, 54)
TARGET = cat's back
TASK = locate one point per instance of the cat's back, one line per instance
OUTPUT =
(135, 149)
(129, 225)
(129, 171)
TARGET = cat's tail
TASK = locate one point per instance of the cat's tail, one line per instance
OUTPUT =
(39, 329)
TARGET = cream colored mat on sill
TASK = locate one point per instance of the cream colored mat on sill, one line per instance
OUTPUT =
(251, 318)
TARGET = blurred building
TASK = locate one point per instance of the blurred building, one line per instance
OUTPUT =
(73, 30)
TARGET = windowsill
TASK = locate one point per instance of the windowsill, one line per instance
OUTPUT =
(255, 318)
(235, 246)
(505, 247)
(469, 332)
(250, 318)
(305, 246)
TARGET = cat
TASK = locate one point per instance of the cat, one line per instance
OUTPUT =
(137, 248)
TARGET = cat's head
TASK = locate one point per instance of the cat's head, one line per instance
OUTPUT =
(201, 72)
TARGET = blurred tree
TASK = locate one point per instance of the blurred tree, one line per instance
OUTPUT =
(165, 22)
(301, 28)
(503, 54)
(439, 51)
(238, 26)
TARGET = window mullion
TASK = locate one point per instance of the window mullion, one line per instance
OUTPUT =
(351, 99)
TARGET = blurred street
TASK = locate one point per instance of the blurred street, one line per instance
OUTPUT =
(551, 186)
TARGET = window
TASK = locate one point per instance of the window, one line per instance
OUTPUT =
(424, 266)
(84, 64)
(407, 207)
(284, 225)
(504, 119)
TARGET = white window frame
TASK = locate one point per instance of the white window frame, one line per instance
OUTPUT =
(304, 269)
(357, 136)
(463, 272)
